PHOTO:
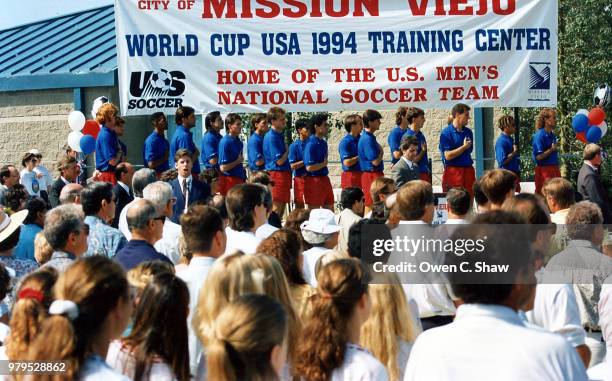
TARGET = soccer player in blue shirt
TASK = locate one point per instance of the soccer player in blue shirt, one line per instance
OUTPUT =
(108, 150)
(545, 150)
(395, 136)
(230, 155)
(318, 190)
(210, 140)
(296, 160)
(506, 152)
(456, 150)
(259, 127)
(183, 137)
(416, 119)
(276, 155)
(156, 149)
(349, 154)
(370, 153)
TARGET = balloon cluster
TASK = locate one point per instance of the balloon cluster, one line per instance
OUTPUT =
(590, 126)
(82, 138)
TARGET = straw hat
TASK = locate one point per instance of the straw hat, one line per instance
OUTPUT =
(8, 224)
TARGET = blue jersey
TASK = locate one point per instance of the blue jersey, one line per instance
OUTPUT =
(451, 139)
(230, 148)
(348, 148)
(369, 150)
(274, 148)
(504, 147)
(424, 162)
(155, 147)
(255, 152)
(183, 139)
(107, 147)
(541, 142)
(315, 152)
(296, 153)
(210, 149)
(394, 140)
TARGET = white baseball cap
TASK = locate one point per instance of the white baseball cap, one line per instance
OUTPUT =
(321, 221)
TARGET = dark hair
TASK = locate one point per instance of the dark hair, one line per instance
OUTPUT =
(256, 118)
(16, 196)
(5, 281)
(156, 115)
(230, 119)
(260, 177)
(35, 205)
(199, 226)
(284, 245)
(295, 220)
(458, 200)
(408, 141)
(400, 113)
(491, 288)
(27, 157)
(168, 175)
(183, 112)
(479, 196)
(5, 171)
(92, 196)
(356, 242)
(370, 116)
(301, 123)
(459, 108)
(160, 327)
(64, 162)
(318, 119)
(350, 196)
(350, 120)
(528, 206)
(210, 119)
(120, 169)
(241, 201)
(505, 121)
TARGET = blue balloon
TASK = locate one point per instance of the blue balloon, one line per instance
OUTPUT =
(593, 134)
(88, 144)
(580, 122)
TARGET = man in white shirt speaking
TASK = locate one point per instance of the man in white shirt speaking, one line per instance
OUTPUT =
(487, 339)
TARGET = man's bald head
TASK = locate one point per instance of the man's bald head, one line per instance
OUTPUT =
(71, 194)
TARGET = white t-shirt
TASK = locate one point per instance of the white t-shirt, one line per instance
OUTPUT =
(45, 180)
(30, 182)
(556, 310)
(359, 365)
(95, 369)
(489, 342)
(121, 361)
(243, 241)
(194, 276)
(264, 231)
(168, 245)
(311, 257)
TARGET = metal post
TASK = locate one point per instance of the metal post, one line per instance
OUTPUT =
(479, 140)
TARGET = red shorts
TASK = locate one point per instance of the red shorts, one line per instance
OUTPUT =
(318, 191)
(425, 176)
(282, 186)
(367, 178)
(227, 182)
(298, 190)
(350, 179)
(543, 173)
(459, 177)
(109, 177)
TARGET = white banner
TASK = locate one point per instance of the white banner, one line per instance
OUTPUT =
(330, 55)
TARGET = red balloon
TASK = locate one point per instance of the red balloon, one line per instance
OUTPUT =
(581, 136)
(91, 128)
(596, 116)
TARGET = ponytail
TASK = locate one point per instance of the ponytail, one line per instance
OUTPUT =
(342, 283)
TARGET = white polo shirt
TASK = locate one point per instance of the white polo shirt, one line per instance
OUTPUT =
(489, 342)
(603, 370)
(359, 364)
(246, 242)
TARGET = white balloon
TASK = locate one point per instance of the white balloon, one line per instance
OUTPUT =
(76, 121)
(604, 128)
(583, 112)
(74, 140)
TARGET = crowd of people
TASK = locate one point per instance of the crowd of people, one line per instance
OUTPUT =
(193, 267)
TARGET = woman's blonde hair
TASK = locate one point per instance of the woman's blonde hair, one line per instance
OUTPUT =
(106, 112)
(276, 286)
(140, 276)
(96, 285)
(30, 310)
(390, 319)
(230, 276)
(545, 113)
(245, 333)
(42, 250)
(341, 285)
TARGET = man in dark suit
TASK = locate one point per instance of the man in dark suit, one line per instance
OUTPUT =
(590, 186)
(406, 169)
(123, 194)
(186, 188)
(69, 172)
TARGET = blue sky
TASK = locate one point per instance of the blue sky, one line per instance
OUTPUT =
(19, 12)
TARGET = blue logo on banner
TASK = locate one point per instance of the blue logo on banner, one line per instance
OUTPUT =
(539, 76)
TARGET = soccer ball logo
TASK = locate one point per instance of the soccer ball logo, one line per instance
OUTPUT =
(161, 80)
